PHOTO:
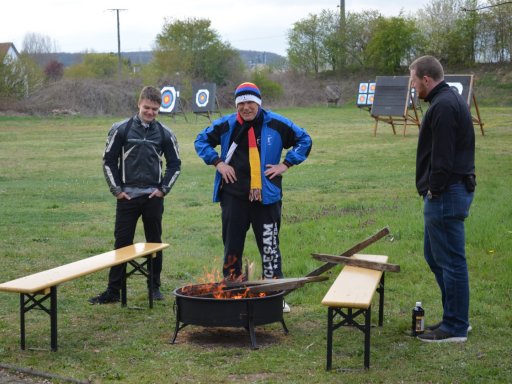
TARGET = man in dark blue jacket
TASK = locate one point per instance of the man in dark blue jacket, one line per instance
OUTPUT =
(132, 165)
(445, 178)
(248, 181)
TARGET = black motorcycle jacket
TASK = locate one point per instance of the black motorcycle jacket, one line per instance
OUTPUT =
(133, 156)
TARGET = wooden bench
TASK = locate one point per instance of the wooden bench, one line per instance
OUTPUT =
(350, 296)
(39, 287)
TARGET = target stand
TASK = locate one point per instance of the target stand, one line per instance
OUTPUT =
(171, 102)
(204, 100)
(395, 103)
(464, 85)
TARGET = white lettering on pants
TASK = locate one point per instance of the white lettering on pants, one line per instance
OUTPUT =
(270, 255)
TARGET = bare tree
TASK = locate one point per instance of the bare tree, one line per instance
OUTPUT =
(41, 48)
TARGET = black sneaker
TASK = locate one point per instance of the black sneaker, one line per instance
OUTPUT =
(439, 336)
(106, 297)
(433, 327)
(157, 295)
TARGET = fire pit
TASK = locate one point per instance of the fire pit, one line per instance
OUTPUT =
(196, 305)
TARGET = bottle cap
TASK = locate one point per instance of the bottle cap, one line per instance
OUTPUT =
(418, 303)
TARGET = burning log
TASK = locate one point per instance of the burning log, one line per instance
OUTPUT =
(247, 289)
(386, 267)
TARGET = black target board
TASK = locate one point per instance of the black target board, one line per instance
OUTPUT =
(203, 97)
(463, 84)
(391, 96)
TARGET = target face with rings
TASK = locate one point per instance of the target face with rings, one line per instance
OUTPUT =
(202, 97)
(168, 99)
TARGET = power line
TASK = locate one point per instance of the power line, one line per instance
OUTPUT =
(486, 6)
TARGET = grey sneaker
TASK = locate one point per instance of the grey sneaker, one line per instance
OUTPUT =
(439, 336)
(433, 327)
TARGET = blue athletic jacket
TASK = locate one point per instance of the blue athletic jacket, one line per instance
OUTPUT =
(277, 133)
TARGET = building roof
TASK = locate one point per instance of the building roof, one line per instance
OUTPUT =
(8, 49)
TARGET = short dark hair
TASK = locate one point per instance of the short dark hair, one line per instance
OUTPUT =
(151, 93)
(428, 66)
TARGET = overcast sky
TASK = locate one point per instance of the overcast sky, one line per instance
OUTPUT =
(79, 25)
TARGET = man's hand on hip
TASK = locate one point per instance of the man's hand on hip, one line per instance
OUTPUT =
(274, 170)
(227, 172)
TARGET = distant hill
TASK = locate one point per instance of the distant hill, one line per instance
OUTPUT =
(251, 58)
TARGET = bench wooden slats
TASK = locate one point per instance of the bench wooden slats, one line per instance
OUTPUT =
(355, 286)
(41, 281)
(350, 297)
(38, 289)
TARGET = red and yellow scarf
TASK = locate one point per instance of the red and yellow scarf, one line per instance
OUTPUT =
(254, 155)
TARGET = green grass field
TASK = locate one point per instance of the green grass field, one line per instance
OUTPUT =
(55, 208)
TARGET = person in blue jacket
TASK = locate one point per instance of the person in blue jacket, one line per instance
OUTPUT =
(248, 181)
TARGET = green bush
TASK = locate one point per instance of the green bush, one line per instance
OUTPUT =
(270, 89)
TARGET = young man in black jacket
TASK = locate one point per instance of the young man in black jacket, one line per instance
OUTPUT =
(445, 178)
(132, 164)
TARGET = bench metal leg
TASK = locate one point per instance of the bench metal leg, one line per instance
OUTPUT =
(347, 318)
(367, 327)
(53, 317)
(145, 269)
(330, 316)
(380, 289)
(22, 321)
(29, 302)
(151, 279)
(123, 291)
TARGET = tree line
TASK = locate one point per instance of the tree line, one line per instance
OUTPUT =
(458, 32)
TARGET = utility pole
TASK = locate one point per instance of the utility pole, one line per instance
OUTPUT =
(119, 61)
(342, 33)
(342, 14)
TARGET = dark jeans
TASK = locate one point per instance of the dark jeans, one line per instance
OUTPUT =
(237, 216)
(127, 215)
(444, 248)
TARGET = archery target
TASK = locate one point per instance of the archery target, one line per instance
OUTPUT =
(202, 97)
(457, 86)
(463, 84)
(168, 99)
(371, 88)
(361, 99)
(363, 87)
(369, 101)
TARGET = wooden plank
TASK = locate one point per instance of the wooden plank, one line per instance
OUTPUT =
(357, 262)
(42, 280)
(354, 287)
(285, 280)
(279, 285)
(355, 249)
(255, 286)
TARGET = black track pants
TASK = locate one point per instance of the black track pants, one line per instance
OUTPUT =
(237, 216)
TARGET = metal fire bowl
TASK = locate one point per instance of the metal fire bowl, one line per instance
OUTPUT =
(244, 312)
(212, 312)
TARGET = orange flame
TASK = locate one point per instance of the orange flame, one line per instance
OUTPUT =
(208, 287)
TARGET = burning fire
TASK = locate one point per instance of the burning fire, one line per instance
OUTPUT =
(231, 288)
